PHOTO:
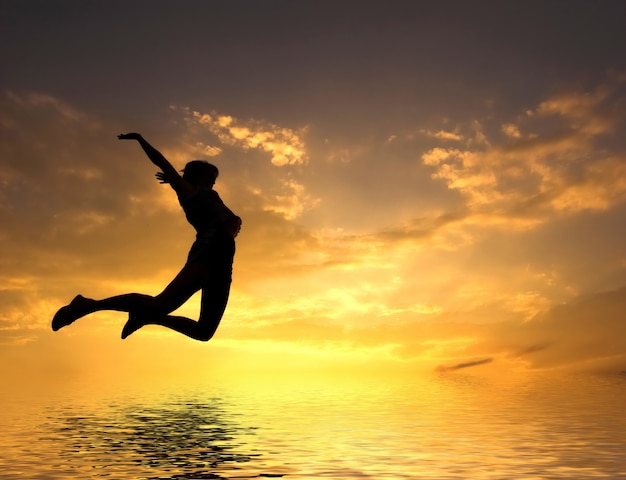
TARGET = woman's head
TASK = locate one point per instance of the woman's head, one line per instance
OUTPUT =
(200, 172)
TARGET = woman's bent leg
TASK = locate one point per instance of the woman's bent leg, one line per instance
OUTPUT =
(186, 283)
(184, 325)
(215, 293)
(214, 299)
(216, 277)
(216, 288)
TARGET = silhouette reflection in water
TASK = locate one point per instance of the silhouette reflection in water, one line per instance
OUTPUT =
(188, 440)
(208, 267)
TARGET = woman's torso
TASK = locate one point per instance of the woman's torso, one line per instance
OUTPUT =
(206, 212)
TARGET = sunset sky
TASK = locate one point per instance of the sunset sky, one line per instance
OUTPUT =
(423, 185)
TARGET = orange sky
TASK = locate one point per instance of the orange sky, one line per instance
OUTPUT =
(422, 185)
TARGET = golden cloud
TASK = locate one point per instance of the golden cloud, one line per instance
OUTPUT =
(558, 169)
(284, 145)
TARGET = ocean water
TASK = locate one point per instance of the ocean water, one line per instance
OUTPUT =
(452, 425)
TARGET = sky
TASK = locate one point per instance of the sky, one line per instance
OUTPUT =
(424, 186)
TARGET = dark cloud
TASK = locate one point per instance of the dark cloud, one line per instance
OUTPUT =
(459, 366)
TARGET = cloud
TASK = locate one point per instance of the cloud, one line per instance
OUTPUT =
(511, 130)
(442, 135)
(285, 145)
(227, 137)
(557, 167)
(291, 202)
(44, 104)
(459, 366)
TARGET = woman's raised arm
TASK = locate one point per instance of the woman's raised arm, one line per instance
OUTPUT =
(156, 157)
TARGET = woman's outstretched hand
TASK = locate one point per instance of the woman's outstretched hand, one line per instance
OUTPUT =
(129, 136)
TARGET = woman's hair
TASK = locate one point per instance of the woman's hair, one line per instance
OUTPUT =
(195, 168)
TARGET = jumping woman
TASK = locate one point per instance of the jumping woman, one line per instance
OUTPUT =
(208, 267)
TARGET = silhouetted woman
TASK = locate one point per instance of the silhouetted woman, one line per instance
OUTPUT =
(208, 267)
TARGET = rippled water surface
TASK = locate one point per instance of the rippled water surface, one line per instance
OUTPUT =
(440, 426)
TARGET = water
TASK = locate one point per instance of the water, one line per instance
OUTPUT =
(441, 426)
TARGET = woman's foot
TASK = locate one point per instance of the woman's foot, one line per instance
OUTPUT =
(77, 308)
(132, 325)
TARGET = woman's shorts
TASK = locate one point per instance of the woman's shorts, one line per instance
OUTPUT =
(216, 252)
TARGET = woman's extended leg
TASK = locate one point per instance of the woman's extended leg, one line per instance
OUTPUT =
(188, 281)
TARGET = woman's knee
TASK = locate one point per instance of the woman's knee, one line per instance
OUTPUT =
(205, 336)
(206, 330)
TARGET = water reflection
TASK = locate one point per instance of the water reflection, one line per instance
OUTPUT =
(447, 426)
(178, 440)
